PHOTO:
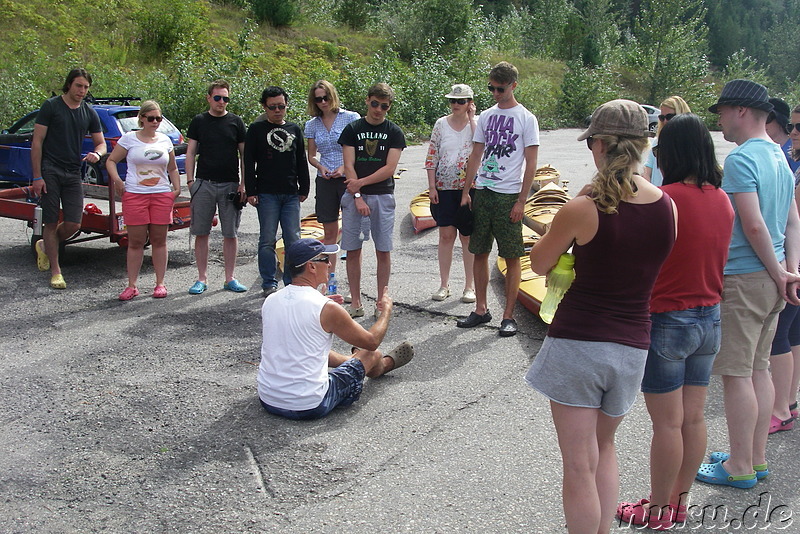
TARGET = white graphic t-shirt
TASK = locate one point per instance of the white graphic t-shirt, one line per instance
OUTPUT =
(147, 164)
(505, 133)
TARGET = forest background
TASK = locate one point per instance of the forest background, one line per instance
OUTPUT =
(572, 54)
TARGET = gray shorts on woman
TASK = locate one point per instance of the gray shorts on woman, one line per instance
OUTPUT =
(588, 374)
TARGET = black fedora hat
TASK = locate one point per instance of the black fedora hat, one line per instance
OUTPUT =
(743, 93)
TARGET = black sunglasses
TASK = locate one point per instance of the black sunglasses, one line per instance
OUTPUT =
(790, 127)
(154, 118)
(589, 142)
(273, 107)
(499, 89)
(655, 151)
(666, 117)
(459, 101)
(225, 99)
(383, 106)
(319, 99)
(323, 259)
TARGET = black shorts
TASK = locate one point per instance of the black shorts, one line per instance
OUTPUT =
(444, 213)
(329, 198)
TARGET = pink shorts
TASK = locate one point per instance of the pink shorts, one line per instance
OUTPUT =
(147, 208)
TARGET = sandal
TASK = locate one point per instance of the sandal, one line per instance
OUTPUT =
(761, 469)
(793, 409)
(57, 282)
(715, 473)
(159, 292)
(128, 293)
(401, 354)
(42, 261)
(638, 513)
(776, 425)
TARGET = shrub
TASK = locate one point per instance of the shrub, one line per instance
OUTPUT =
(276, 12)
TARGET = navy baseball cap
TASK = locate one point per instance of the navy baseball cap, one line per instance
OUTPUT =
(304, 250)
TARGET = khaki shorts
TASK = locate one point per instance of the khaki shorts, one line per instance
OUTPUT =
(750, 307)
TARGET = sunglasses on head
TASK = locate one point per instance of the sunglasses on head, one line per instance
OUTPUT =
(459, 101)
(790, 127)
(498, 88)
(154, 118)
(273, 107)
(383, 106)
(666, 117)
(320, 99)
(225, 99)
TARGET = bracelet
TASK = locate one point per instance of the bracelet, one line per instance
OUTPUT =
(37, 179)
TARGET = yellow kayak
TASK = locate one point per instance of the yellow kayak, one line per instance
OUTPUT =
(421, 217)
(532, 286)
(543, 205)
(309, 227)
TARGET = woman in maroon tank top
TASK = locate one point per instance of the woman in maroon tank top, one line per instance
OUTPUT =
(592, 360)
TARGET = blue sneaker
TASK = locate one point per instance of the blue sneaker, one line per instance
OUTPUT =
(198, 288)
(234, 286)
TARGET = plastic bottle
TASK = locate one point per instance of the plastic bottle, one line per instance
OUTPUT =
(332, 284)
(558, 282)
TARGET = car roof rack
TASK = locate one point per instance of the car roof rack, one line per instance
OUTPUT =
(119, 100)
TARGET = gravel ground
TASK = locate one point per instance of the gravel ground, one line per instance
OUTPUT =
(142, 416)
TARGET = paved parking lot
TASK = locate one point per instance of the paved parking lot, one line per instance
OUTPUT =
(143, 417)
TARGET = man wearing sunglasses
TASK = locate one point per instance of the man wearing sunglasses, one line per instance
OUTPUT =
(371, 149)
(277, 181)
(506, 140)
(215, 139)
(778, 130)
(299, 376)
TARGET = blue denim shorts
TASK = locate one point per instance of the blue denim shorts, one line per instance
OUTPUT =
(344, 388)
(683, 345)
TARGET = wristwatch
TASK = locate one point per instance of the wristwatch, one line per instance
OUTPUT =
(357, 195)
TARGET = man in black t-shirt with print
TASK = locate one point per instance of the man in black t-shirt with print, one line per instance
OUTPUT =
(216, 140)
(277, 181)
(371, 148)
(56, 149)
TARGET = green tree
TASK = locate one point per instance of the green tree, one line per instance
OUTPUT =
(667, 51)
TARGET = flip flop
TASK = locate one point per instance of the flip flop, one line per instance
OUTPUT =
(42, 261)
(715, 473)
(401, 354)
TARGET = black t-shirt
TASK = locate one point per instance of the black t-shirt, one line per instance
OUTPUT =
(372, 144)
(66, 127)
(275, 160)
(218, 141)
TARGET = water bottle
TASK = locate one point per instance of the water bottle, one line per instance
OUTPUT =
(558, 282)
(365, 227)
(332, 284)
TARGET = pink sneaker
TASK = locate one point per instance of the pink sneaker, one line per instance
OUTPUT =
(128, 293)
(159, 292)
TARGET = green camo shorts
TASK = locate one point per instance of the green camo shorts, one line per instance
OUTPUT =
(492, 212)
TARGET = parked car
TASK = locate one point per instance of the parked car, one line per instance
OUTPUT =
(652, 117)
(117, 116)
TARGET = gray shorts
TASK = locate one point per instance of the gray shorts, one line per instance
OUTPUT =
(64, 191)
(207, 196)
(588, 374)
(381, 216)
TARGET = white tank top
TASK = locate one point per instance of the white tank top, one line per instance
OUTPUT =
(293, 373)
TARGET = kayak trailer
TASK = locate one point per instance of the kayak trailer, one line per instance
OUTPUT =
(19, 203)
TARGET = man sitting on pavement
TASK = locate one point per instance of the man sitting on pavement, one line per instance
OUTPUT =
(299, 323)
